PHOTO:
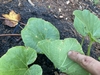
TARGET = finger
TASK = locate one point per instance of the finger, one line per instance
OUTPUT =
(75, 56)
(88, 63)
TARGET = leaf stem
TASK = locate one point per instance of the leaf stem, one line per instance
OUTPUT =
(89, 47)
(82, 41)
(10, 35)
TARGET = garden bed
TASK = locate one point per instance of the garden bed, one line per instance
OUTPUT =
(58, 12)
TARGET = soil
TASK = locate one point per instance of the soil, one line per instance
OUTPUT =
(58, 12)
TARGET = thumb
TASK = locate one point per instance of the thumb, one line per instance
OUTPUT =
(88, 63)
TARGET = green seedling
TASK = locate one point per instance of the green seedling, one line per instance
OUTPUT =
(87, 24)
(17, 60)
(49, 6)
(37, 30)
(44, 37)
(99, 58)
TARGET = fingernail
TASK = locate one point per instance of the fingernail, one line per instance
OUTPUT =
(70, 52)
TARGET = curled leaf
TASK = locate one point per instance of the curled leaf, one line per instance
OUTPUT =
(12, 18)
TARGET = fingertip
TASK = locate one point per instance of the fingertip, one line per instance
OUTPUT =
(73, 55)
(69, 53)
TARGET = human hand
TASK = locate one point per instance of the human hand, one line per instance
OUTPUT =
(88, 63)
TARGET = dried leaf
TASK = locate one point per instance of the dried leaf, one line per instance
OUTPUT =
(12, 18)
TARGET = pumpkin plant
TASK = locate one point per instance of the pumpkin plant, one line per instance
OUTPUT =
(44, 38)
(88, 25)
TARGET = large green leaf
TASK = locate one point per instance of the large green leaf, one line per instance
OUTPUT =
(37, 30)
(87, 24)
(57, 51)
(16, 61)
